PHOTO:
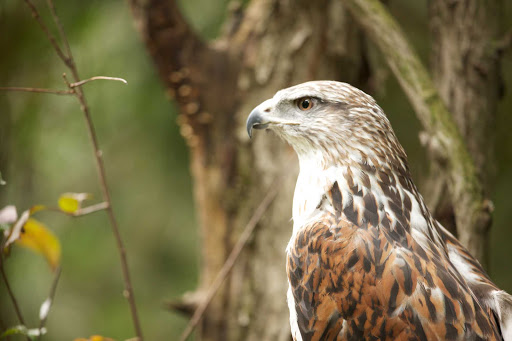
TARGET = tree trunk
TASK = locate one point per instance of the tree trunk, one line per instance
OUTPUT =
(466, 70)
(269, 45)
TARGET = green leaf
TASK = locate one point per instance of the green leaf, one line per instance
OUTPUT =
(22, 330)
(14, 330)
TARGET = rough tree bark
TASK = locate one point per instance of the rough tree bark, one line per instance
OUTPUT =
(466, 69)
(269, 45)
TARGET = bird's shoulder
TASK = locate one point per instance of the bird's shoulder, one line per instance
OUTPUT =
(368, 281)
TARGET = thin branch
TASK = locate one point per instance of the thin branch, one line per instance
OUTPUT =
(70, 63)
(230, 261)
(38, 90)
(62, 34)
(128, 292)
(8, 286)
(73, 85)
(102, 206)
(50, 298)
(62, 92)
(11, 294)
(91, 209)
(44, 28)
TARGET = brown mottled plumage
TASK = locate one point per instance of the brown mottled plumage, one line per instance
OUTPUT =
(366, 260)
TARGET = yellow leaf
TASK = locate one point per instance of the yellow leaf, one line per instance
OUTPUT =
(37, 208)
(37, 237)
(72, 202)
(68, 204)
(100, 338)
(94, 338)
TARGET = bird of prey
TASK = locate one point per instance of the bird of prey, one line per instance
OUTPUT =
(367, 260)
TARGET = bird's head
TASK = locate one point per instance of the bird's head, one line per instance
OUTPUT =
(333, 120)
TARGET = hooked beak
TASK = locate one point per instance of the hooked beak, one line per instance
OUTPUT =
(258, 118)
(257, 121)
(261, 117)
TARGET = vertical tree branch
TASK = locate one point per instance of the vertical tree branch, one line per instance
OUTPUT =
(471, 208)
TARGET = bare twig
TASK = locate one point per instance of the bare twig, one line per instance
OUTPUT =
(128, 292)
(82, 211)
(38, 90)
(62, 92)
(8, 286)
(11, 294)
(44, 28)
(230, 261)
(91, 209)
(73, 85)
(62, 34)
(49, 301)
(70, 63)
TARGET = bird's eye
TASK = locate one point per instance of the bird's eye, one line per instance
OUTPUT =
(305, 103)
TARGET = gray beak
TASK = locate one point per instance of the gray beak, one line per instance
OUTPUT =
(256, 120)
(259, 117)
(264, 115)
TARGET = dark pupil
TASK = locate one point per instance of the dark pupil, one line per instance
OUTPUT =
(305, 104)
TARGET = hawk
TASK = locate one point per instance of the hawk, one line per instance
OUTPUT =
(367, 260)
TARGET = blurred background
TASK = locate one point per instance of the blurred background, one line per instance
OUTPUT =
(45, 151)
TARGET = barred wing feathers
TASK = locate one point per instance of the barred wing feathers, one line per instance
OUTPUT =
(354, 280)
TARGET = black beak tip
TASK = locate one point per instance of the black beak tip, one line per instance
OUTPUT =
(249, 130)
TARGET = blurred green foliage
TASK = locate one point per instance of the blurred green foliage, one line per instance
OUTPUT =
(45, 151)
